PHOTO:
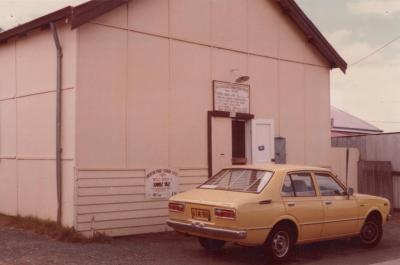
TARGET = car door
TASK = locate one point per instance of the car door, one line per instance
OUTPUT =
(301, 201)
(341, 211)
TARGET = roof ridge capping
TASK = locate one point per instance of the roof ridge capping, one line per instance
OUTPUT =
(314, 36)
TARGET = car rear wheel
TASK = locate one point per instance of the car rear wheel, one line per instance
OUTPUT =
(280, 243)
(371, 232)
(212, 245)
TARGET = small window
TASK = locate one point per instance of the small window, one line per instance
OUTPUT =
(328, 186)
(287, 188)
(302, 185)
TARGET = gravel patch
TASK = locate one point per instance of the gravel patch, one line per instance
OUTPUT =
(19, 247)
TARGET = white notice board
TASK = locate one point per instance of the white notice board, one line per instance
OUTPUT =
(233, 98)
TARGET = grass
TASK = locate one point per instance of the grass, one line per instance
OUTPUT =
(51, 229)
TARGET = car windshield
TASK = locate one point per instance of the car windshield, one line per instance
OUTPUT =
(243, 180)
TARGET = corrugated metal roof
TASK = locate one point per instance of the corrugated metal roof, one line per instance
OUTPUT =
(345, 122)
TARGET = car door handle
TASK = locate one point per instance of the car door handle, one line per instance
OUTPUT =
(328, 203)
(291, 204)
(265, 202)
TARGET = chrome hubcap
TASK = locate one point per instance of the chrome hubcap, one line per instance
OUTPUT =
(280, 244)
(369, 232)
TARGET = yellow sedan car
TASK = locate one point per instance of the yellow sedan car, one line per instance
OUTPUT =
(277, 206)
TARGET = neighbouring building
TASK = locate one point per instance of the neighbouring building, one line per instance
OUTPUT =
(345, 124)
(156, 95)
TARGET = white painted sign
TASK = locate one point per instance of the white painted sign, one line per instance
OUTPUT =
(233, 98)
(161, 183)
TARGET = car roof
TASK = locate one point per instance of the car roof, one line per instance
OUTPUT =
(282, 167)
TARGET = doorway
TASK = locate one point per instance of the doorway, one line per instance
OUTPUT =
(238, 141)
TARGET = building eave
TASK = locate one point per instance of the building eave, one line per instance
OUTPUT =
(41, 22)
(354, 130)
(314, 36)
(85, 12)
(92, 9)
(77, 16)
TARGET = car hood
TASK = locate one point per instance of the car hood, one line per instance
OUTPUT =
(214, 197)
(367, 197)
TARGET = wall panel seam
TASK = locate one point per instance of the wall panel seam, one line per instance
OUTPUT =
(210, 45)
(127, 227)
(35, 94)
(113, 212)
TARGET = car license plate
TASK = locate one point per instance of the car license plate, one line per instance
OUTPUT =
(201, 214)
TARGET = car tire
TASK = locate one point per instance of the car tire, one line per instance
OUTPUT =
(280, 243)
(371, 232)
(212, 245)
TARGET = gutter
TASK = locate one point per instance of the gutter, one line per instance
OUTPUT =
(58, 122)
(349, 129)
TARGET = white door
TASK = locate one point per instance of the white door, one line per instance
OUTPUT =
(262, 141)
(221, 143)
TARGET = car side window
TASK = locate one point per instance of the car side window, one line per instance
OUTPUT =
(287, 188)
(303, 185)
(328, 186)
(298, 185)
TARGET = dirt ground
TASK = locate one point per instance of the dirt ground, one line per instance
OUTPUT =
(18, 247)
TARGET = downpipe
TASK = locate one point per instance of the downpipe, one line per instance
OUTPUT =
(58, 122)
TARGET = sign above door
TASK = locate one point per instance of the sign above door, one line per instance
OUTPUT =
(232, 98)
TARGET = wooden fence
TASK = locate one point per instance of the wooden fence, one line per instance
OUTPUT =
(375, 178)
(378, 147)
(396, 189)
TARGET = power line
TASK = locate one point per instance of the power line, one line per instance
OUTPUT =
(375, 51)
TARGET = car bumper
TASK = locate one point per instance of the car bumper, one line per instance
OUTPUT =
(201, 229)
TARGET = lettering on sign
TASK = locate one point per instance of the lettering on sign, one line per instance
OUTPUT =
(233, 98)
(161, 183)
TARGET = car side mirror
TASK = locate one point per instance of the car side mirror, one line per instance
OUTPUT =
(350, 192)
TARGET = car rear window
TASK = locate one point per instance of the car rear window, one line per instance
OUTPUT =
(242, 180)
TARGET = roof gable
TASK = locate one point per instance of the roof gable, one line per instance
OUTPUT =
(87, 11)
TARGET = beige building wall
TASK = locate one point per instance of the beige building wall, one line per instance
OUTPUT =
(144, 87)
(27, 125)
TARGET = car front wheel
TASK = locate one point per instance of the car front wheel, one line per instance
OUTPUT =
(371, 232)
(212, 245)
(280, 243)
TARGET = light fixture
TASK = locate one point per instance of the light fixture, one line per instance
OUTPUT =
(242, 79)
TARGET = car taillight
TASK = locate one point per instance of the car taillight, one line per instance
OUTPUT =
(176, 207)
(225, 213)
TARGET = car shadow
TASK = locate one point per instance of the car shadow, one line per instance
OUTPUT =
(302, 254)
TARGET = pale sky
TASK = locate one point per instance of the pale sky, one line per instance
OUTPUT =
(356, 28)
(14, 12)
